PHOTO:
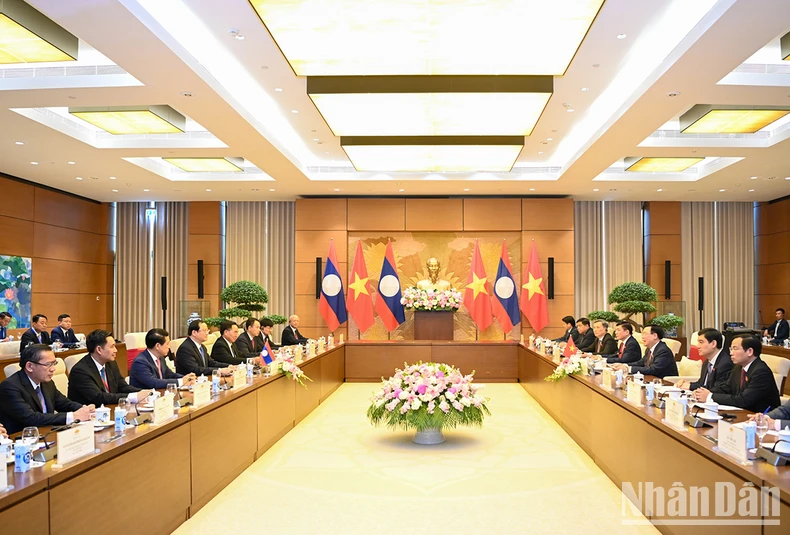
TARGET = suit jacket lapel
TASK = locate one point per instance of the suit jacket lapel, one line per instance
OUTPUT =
(28, 388)
(94, 372)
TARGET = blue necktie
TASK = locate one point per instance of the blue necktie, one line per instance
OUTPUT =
(104, 380)
(41, 399)
(710, 371)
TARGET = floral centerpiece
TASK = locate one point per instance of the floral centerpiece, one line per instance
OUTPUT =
(568, 366)
(416, 299)
(428, 397)
(285, 362)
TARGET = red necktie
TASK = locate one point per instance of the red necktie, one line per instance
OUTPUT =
(158, 367)
(622, 346)
(104, 380)
(253, 343)
(743, 377)
(649, 357)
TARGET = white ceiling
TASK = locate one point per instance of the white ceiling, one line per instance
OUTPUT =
(705, 52)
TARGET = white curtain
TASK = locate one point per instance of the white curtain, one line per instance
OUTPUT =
(171, 260)
(589, 292)
(699, 259)
(133, 269)
(624, 243)
(736, 261)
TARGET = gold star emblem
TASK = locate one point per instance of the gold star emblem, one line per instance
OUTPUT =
(478, 285)
(533, 286)
(359, 285)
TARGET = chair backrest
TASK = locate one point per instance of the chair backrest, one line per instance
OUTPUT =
(9, 348)
(690, 368)
(674, 345)
(80, 337)
(60, 378)
(210, 344)
(175, 344)
(11, 369)
(134, 340)
(72, 360)
(780, 366)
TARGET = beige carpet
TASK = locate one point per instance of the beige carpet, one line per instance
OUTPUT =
(336, 474)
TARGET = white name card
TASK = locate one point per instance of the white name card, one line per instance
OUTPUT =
(163, 409)
(675, 414)
(240, 377)
(201, 394)
(585, 367)
(3, 470)
(732, 441)
(607, 379)
(321, 346)
(633, 393)
(75, 443)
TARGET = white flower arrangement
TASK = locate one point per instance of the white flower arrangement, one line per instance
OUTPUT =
(285, 363)
(568, 366)
(416, 299)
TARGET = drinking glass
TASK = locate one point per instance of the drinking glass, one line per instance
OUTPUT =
(124, 404)
(762, 426)
(172, 391)
(30, 436)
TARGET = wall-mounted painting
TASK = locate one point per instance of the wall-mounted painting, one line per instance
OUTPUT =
(15, 293)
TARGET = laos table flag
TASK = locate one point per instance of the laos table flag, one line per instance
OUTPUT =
(388, 304)
(332, 305)
(266, 354)
(534, 302)
(477, 299)
(505, 301)
(360, 301)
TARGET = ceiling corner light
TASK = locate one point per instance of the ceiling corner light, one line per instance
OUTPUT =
(751, 190)
(208, 190)
(79, 178)
(621, 36)
(30, 37)
(722, 191)
(207, 165)
(115, 191)
(19, 142)
(659, 165)
(585, 89)
(596, 189)
(710, 119)
(33, 163)
(71, 163)
(278, 89)
(784, 46)
(118, 120)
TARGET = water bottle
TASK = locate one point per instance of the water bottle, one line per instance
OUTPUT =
(214, 381)
(250, 369)
(23, 454)
(120, 416)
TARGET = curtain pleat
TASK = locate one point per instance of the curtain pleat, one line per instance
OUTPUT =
(588, 245)
(699, 249)
(171, 260)
(736, 261)
(624, 258)
(133, 299)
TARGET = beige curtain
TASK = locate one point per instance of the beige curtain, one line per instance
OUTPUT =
(133, 242)
(171, 260)
(589, 292)
(260, 247)
(735, 222)
(624, 249)
(699, 252)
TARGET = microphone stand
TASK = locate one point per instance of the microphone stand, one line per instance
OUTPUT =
(47, 454)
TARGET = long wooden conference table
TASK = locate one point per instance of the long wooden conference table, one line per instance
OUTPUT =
(155, 478)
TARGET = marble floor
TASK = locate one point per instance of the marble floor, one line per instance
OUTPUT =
(336, 474)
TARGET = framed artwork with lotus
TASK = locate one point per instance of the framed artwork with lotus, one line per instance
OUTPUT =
(15, 289)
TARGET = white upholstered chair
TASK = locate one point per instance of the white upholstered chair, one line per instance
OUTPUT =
(780, 366)
(72, 360)
(674, 345)
(60, 378)
(688, 370)
(11, 369)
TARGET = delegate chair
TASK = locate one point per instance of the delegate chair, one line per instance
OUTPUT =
(60, 378)
(72, 360)
(780, 366)
(688, 370)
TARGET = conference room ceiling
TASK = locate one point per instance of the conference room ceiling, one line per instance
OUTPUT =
(251, 124)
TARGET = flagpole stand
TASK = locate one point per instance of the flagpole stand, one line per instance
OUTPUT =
(477, 332)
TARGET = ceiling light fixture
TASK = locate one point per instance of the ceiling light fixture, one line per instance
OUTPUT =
(596, 189)
(569, 110)
(71, 163)
(621, 36)
(531, 189)
(208, 190)
(207, 165)
(112, 178)
(19, 142)
(721, 191)
(401, 190)
(784, 46)
(754, 178)
(337, 189)
(79, 178)
(751, 190)
(549, 139)
(540, 152)
(133, 119)
(585, 89)
(115, 191)
(33, 163)
(659, 165)
(710, 119)
(659, 190)
(278, 89)
(271, 189)
(30, 37)
(146, 190)
(294, 111)
(186, 94)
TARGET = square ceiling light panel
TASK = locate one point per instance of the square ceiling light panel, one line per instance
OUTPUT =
(207, 165)
(708, 119)
(430, 105)
(784, 46)
(450, 154)
(659, 165)
(133, 119)
(428, 37)
(27, 36)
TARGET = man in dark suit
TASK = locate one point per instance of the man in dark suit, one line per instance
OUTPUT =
(658, 361)
(249, 343)
(149, 369)
(63, 333)
(291, 335)
(192, 356)
(629, 350)
(779, 330)
(37, 334)
(29, 398)
(5, 321)
(586, 336)
(603, 343)
(779, 417)
(717, 366)
(751, 386)
(266, 333)
(96, 378)
(225, 349)
(570, 331)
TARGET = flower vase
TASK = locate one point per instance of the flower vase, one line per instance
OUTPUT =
(428, 436)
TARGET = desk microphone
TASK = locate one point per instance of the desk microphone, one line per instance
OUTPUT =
(140, 419)
(182, 402)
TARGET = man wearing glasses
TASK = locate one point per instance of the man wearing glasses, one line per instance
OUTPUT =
(30, 399)
(192, 356)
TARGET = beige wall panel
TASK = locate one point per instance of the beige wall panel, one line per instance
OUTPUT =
(204, 247)
(21, 197)
(377, 214)
(205, 217)
(312, 243)
(65, 244)
(492, 214)
(563, 277)
(547, 214)
(305, 277)
(434, 214)
(18, 236)
(663, 218)
(320, 214)
(550, 243)
(663, 247)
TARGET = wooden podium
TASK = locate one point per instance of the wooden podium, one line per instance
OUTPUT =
(433, 325)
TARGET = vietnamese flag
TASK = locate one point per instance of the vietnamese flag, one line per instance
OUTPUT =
(388, 304)
(505, 301)
(360, 302)
(570, 348)
(534, 303)
(332, 305)
(477, 299)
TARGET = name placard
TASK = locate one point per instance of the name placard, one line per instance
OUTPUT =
(163, 409)
(76, 442)
(3, 471)
(240, 377)
(201, 394)
(675, 414)
(732, 441)
(585, 367)
(607, 379)
(633, 393)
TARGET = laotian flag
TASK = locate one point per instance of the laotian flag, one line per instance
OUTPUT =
(388, 304)
(266, 354)
(333, 303)
(505, 301)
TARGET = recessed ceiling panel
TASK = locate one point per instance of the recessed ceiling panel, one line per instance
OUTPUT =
(707, 119)
(205, 165)
(659, 165)
(133, 119)
(27, 36)
(364, 37)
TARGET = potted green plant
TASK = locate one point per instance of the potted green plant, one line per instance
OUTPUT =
(245, 299)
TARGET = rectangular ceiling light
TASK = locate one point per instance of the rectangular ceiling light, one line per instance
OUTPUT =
(707, 119)
(784, 46)
(659, 165)
(448, 154)
(406, 37)
(430, 105)
(27, 36)
(206, 165)
(133, 119)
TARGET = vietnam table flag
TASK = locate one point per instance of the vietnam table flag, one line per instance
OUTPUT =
(388, 304)
(360, 303)
(332, 305)
(570, 348)
(477, 299)
(534, 303)
(505, 302)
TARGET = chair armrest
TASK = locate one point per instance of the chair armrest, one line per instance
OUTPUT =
(675, 378)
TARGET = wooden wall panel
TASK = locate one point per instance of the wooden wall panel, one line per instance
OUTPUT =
(61, 243)
(772, 248)
(663, 218)
(205, 243)
(315, 243)
(434, 214)
(772, 258)
(205, 218)
(547, 214)
(662, 248)
(205, 247)
(320, 214)
(662, 241)
(550, 243)
(773, 217)
(17, 236)
(492, 214)
(656, 279)
(305, 277)
(19, 199)
(563, 276)
(60, 210)
(30, 517)
(212, 281)
(377, 214)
